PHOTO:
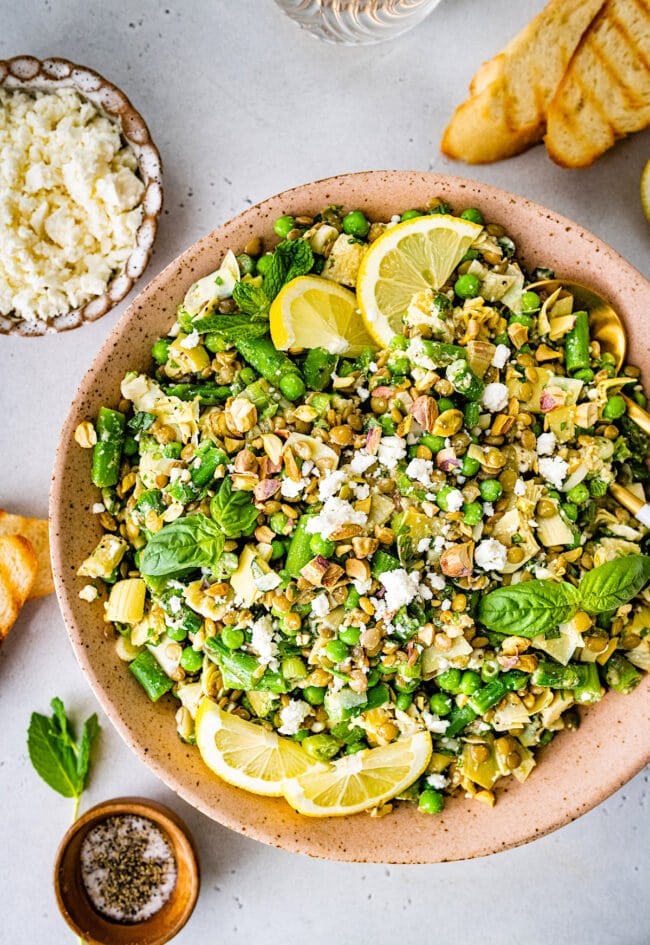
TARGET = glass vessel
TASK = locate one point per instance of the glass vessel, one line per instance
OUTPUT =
(357, 22)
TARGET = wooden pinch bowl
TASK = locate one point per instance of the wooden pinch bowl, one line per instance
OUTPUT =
(73, 900)
(576, 772)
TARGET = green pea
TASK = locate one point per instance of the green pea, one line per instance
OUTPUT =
(469, 682)
(490, 670)
(443, 496)
(215, 342)
(406, 685)
(449, 681)
(293, 667)
(172, 450)
(336, 651)
(473, 215)
(490, 489)
(522, 319)
(530, 302)
(441, 704)
(321, 747)
(284, 225)
(445, 404)
(387, 424)
(131, 446)
(570, 510)
(400, 366)
(469, 467)
(584, 374)
(467, 286)
(191, 660)
(350, 635)
(410, 215)
(472, 513)
(314, 695)
(615, 408)
(160, 350)
(404, 700)
(247, 375)
(578, 494)
(232, 638)
(356, 224)
(434, 443)
(322, 546)
(470, 255)
(264, 263)
(246, 264)
(279, 522)
(278, 549)
(177, 633)
(398, 343)
(431, 802)
(292, 385)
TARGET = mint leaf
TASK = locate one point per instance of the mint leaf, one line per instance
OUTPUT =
(292, 258)
(232, 328)
(251, 299)
(57, 758)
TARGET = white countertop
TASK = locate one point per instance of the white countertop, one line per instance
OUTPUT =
(243, 105)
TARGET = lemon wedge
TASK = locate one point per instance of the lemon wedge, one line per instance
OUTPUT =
(357, 782)
(410, 257)
(245, 754)
(645, 190)
(312, 312)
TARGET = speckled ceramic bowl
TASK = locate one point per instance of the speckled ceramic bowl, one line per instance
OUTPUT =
(575, 773)
(28, 74)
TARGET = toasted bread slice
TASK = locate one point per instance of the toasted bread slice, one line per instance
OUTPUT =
(18, 567)
(506, 110)
(605, 92)
(35, 530)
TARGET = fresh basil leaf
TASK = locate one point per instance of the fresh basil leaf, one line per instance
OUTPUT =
(57, 758)
(231, 327)
(614, 583)
(530, 609)
(233, 511)
(291, 258)
(251, 299)
(194, 541)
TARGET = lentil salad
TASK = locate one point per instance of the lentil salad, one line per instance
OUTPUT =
(309, 539)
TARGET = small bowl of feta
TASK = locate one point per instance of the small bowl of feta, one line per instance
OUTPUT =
(80, 192)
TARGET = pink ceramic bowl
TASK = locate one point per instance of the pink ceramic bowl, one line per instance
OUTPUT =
(578, 771)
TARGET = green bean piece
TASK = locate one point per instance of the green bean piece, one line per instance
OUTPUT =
(576, 344)
(382, 562)
(378, 695)
(465, 381)
(209, 393)
(205, 463)
(621, 675)
(487, 696)
(459, 719)
(150, 675)
(556, 676)
(589, 690)
(318, 368)
(272, 364)
(443, 354)
(299, 553)
(107, 452)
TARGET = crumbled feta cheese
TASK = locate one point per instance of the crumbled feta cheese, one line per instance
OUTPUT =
(434, 723)
(331, 484)
(500, 356)
(293, 715)
(372, 368)
(175, 604)
(495, 397)
(70, 199)
(360, 462)
(437, 582)
(437, 781)
(488, 508)
(89, 593)
(446, 605)
(262, 641)
(363, 393)
(554, 470)
(268, 582)
(391, 450)
(420, 470)
(361, 490)
(191, 341)
(417, 355)
(491, 555)
(290, 489)
(334, 513)
(542, 573)
(362, 585)
(423, 545)
(439, 545)
(546, 443)
(320, 606)
(401, 588)
(520, 487)
(455, 500)
(98, 508)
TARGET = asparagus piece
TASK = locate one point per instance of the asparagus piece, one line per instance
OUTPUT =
(621, 675)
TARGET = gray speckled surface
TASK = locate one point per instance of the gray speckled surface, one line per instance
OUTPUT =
(243, 105)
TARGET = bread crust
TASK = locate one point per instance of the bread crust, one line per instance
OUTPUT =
(18, 568)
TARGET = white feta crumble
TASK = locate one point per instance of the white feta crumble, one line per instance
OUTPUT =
(542, 573)
(439, 545)
(175, 604)
(554, 470)
(363, 393)
(446, 605)
(361, 490)
(520, 487)
(500, 356)
(417, 355)
(455, 500)
(331, 485)
(401, 588)
(546, 443)
(191, 341)
(437, 781)
(495, 397)
(268, 582)
(89, 593)
(262, 641)
(293, 715)
(437, 582)
(362, 585)
(488, 508)
(434, 723)
(360, 462)
(98, 508)
(320, 606)
(391, 450)
(423, 545)
(335, 512)
(290, 489)
(420, 470)
(491, 555)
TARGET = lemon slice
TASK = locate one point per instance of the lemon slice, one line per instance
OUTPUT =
(645, 190)
(357, 782)
(245, 754)
(412, 256)
(311, 312)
